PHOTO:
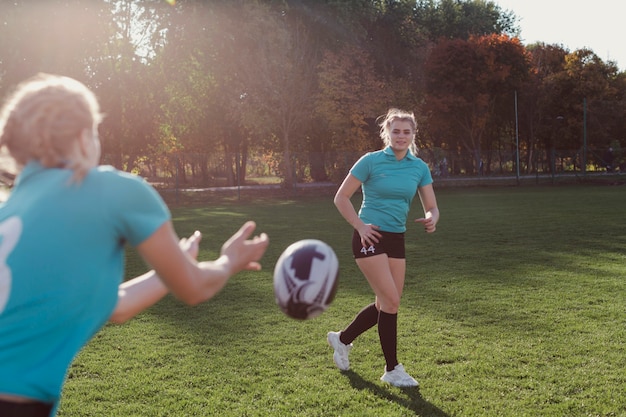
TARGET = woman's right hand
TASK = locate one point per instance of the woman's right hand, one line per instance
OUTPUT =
(243, 253)
(194, 282)
(369, 234)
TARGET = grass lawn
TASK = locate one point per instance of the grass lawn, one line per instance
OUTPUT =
(515, 307)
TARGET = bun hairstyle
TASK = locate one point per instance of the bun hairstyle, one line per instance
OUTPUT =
(393, 114)
(44, 116)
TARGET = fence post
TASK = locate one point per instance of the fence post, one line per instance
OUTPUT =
(584, 137)
(238, 173)
(516, 141)
(176, 179)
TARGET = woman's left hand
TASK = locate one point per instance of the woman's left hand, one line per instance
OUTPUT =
(429, 224)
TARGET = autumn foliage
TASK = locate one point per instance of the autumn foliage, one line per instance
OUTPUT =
(467, 81)
(201, 90)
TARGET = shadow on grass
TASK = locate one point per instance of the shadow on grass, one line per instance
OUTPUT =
(411, 398)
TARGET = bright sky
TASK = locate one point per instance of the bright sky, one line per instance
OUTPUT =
(597, 25)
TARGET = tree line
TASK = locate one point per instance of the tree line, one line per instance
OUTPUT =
(196, 89)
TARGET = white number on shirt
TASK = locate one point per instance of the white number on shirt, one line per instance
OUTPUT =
(10, 231)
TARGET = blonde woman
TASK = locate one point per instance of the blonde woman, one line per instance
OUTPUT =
(389, 179)
(63, 230)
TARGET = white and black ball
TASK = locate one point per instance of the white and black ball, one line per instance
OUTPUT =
(305, 279)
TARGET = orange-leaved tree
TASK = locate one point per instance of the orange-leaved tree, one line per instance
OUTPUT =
(468, 85)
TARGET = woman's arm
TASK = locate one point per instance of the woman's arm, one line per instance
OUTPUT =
(348, 187)
(139, 293)
(343, 203)
(194, 282)
(431, 211)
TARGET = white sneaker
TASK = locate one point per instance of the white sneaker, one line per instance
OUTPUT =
(399, 378)
(341, 351)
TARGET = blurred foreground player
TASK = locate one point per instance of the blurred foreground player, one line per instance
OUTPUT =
(63, 230)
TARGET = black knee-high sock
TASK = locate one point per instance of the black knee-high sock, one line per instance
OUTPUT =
(388, 334)
(365, 320)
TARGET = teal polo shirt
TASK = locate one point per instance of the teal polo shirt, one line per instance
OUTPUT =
(61, 262)
(389, 187)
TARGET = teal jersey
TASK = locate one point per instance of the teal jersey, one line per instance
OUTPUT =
(61, 262)
(389, 187)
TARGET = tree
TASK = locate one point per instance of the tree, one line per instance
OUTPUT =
(578, 89)
(351, 93)
(57, 36)
(459, 19)
(127, 86)
(540, 109)
(269, 62)
(466, 80)
(94, 42)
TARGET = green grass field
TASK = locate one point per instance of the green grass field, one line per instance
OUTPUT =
(515, 307)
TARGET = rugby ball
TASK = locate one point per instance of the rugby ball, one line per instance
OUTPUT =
(305, 279)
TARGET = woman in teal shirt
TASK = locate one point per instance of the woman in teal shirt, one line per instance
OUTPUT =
(389, 179)
(63, 231)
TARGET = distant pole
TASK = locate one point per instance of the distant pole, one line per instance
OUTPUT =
(516, 138)
(559, 120)
(176, 178)
(237, 169)
(584, 136)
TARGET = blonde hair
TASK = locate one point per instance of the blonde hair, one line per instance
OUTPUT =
(44, 116)
(392, 115)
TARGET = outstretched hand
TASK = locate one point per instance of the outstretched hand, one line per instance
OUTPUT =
(191, 245)
(244, 253)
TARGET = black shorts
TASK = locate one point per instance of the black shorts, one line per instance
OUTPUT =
(389, 243)
(34, 409)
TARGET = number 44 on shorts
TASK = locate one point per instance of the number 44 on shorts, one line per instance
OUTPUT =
(371, 249)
